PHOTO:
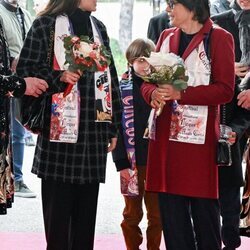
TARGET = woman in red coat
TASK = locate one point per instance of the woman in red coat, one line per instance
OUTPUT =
(182, 162)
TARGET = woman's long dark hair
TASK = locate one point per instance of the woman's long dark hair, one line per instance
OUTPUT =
(59, 7)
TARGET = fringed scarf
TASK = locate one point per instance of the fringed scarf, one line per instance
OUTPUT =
(242, 19)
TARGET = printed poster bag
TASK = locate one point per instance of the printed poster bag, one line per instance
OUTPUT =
(65, 110)
(65, 114)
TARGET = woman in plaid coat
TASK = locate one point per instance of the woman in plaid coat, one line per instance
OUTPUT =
(70, 172)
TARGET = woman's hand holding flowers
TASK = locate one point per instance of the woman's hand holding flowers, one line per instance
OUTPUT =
(70, 77)
(157, 98)
(163, 93)
(169, 92)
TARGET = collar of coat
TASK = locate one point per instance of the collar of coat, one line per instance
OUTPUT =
(197, 39)
(9, 7)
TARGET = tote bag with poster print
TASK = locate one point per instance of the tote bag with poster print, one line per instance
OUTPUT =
(65, 111)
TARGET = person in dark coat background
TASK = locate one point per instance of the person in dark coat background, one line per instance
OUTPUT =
(219, 6)
(238, 118)
(156, 25)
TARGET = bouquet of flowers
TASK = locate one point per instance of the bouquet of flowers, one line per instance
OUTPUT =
(165, 68)
(83, 54)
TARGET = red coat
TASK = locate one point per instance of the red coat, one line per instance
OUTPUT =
(184, 168)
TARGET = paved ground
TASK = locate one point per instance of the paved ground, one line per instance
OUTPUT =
(22, 227)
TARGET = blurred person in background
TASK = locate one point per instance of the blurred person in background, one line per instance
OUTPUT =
(231, 177)
(219, 6)
(16, 22)
(10, 86)
(39, 5)
(156, 25)
(242, 18)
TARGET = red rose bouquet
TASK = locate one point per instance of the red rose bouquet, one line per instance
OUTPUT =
(83, 54)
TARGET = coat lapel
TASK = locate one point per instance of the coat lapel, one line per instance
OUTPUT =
(175, 41)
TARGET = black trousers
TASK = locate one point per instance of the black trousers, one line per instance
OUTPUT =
(69, 213)
(230, 212)
(190, 223)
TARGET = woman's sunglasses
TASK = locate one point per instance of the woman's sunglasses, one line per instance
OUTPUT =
(171, 3)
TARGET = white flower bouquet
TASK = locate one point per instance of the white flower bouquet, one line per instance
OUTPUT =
(165, 68)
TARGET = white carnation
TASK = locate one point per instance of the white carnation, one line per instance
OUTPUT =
(83, 50)
(157, 59)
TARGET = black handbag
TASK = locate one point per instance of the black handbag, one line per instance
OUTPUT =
(33, 108)
(224, 155)
(32, 113)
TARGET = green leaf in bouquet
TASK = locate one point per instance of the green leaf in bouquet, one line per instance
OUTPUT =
(179, 72)
(68, 58)
(179, 84)
(85, 39)
(185, 78)
(67, 42)
(105, 53)
(72, 67)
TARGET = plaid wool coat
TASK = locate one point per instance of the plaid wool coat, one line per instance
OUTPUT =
(84, 161)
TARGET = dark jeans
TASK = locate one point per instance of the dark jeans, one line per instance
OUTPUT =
(18, 143)
(230, 213)
(69, 212)
(190, 223)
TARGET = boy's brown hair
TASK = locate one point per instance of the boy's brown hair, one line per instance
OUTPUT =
(139, 47)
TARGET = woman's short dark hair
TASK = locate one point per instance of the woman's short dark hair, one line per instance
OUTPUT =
(199, 7)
